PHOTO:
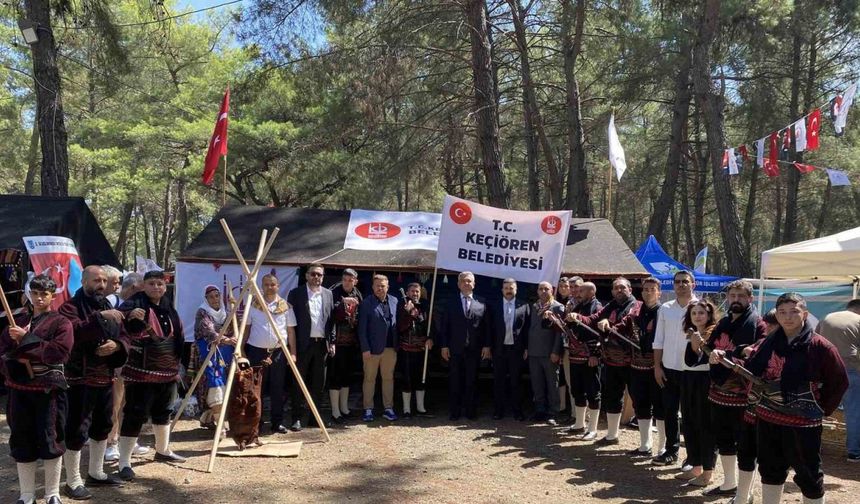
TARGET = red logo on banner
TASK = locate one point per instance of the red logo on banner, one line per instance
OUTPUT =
(460, 213)
(551, 225)
(377, 230)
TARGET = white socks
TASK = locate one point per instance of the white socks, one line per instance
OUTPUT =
(771, 494)
(661, 436)
(126, 447)
(162, 439)
(807, 500)
(644, 434)
(407, 402)
(730, 477)
(562, 397)
(579, 413)
(419, 401)
(613, 421)
(53, 468)
(745, 481)
(97, 459)
(593, 416)
(344, 400)
(334, 399)
(27, 481)
(72, 461)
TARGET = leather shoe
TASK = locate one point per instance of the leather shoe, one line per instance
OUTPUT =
(126, 474)
(77, 493)
(718, 491)
(297, 426)
(111, 480)
(279, 429)
(54, 500)
(606, 442)
(169, 457)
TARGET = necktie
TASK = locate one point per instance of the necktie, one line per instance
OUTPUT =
(467, 302)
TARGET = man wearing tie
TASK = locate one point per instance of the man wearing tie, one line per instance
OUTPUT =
(464, 338)
(509, 324)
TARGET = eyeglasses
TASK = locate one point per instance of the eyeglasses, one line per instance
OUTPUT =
(315, 274)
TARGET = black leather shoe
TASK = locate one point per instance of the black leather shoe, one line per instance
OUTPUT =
(126, 474)
(111, 480)
(279, 429)
(635, 453)
(169, 457)
(54, 500)
(607, 442)
(337, 420)
(718, 491)
(574, 430)
(297, 426)
(77, 493)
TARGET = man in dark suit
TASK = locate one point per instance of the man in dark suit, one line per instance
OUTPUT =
(510, 325)
(377, 335)
(311, 340)
(464, 338)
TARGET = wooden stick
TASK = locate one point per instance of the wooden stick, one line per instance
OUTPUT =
(231, 375)
(429, 320)
(231, 317)
(281, 339)
(6, 308)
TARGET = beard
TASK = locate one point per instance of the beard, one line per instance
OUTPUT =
(737, 308)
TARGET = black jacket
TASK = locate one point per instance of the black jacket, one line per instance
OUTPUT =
(522, 315)
(298, 299)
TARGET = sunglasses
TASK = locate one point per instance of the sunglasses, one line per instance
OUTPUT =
(315, 274)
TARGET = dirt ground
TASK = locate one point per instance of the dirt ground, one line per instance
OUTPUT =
(417, 461)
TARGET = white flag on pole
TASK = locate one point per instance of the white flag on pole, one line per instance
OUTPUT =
(701, 264)
(616, 152)
(842, 115)
(732, 161)
(838, 177)
(800, 135)
(759, 152)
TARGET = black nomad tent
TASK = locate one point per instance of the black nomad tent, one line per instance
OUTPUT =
(594, 249)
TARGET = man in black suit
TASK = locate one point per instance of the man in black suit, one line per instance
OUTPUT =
(312, 339)
(464, 338)
(510, 325)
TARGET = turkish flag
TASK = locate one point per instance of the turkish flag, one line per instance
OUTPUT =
(745, 153)
(804, 168)
(218, 142)
(771, 168)
(773, 155)
(813, 126)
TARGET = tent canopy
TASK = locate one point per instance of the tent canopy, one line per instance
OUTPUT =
(836, 255)
(664, 267)
(594, 249)
(53, 216)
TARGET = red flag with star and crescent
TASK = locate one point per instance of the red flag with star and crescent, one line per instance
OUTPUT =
(218, 142)
(812, 129)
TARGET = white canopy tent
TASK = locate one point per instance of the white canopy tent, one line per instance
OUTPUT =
(834, 257)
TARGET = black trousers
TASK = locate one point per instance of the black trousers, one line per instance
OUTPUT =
(671, 406)
(615, 380)
(696, 411)
(507, 381)
(462, 381)
(798, 448)
(728, 423)
(37, 420)
(747, 447)
(311, 364)
(90, 414)
(411, 366)
(646, 394)
(144, 401)
(274, 379)
(342, 366)
(585, 385)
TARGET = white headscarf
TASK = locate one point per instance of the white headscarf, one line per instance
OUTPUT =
(219, 315)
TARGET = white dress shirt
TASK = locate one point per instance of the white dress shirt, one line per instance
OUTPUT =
(261, 335)
(510, 308)
(670, 336)
(315, 307)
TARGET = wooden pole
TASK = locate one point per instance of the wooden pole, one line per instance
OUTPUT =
(6, 307)
(224, 184)
(429, 320)
(609, 195)
(213, 347)
(231, 375)
(281, 339)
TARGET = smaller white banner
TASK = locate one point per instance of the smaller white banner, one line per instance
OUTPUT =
(192, 279)
(50, 245)
(838, 177)
(145, 264)
(527, 246)
(380, 230)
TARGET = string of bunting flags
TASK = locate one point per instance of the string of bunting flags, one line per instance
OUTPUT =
(805, 132)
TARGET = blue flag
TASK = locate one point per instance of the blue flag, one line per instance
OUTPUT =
(701, 264)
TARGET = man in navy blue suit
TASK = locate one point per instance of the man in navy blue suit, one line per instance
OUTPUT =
(464, 339)
(510, 326)
(377, 335)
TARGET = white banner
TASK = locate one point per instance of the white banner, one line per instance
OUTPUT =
(379, 230)
(143, 265)
(527, 246)
(57, 257)
(192, 279)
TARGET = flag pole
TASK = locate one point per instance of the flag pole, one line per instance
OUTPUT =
(224, 184)
(429, 320)
(609, 195)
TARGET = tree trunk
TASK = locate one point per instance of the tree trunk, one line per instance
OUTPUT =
(776, 240)
(531, 156)
(578, 198)
(182, 211)
(793, 179)
(518, 17)
(825, 207)
(49, 102)
(749, 214)
(485, 103)
(32, 159)
(680, 113)
(712, 102)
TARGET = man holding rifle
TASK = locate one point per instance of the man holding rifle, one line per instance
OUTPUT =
(584, 356)
(412, 327)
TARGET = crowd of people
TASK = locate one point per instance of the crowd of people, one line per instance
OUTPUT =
(109, 360)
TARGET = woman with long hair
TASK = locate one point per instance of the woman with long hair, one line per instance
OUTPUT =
(699, 320)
